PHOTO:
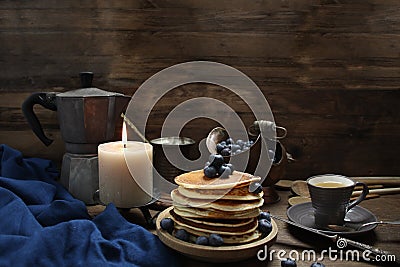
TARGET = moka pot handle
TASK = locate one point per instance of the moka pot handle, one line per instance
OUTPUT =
(46, 100)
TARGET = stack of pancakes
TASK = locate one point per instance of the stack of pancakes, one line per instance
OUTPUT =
(203, 206)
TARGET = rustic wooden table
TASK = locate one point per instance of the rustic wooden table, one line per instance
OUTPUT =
(291, 240)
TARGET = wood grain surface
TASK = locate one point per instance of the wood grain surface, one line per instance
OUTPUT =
(291, 239)
(330, 70)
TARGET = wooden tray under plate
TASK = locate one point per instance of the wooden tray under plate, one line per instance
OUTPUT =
(214, 254)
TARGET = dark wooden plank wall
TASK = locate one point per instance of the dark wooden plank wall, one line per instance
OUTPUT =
(329, 69)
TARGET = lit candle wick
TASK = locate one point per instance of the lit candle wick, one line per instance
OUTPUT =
(124, 135)
(133, 127)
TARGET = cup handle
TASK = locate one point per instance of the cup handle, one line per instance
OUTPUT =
(364, 193)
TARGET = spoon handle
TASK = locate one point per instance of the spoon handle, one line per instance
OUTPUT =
(369, 252)
(382, 222)
(394, 222)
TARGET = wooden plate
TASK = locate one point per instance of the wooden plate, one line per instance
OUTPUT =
(214, 254)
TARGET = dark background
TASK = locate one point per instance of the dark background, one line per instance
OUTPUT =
(330, 70)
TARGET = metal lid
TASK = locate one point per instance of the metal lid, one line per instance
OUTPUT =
(87, 90)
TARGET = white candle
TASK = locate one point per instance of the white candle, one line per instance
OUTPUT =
(125, 173)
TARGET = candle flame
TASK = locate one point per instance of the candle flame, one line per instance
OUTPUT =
(124, 135)
(133, 127)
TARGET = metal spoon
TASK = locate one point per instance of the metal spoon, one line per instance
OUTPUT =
(374, 253)
(215, 136)
(219, 134)
(341, 228)
(378, 222)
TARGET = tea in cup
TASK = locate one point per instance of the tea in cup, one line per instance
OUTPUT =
(330, 197)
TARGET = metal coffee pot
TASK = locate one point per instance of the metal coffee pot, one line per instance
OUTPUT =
(87, 116)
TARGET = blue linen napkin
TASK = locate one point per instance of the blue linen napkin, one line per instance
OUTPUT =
(41, 224)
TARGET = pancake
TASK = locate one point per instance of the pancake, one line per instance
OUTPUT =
(231, 229)
(197, 180)
(218, 222)
(221, 204)
(228, 239)
(240, 193)
(215, 214)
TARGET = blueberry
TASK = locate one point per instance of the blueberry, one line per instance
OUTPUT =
(215, 240)
(182, 234)
(317, 264)
(210, 171)
(240, 142)
(167, 224)
(223, 143)
(224, 171)
(230, 166)
(207, 164)
(264, 226)
(288, 263)
(202, 240)
(219, 148)
(229, 141)
(216, 160)
(255, 188)
(226, 152)
(235, 148)
(265, 215)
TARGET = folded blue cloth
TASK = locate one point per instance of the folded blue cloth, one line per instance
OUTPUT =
(41, 224)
